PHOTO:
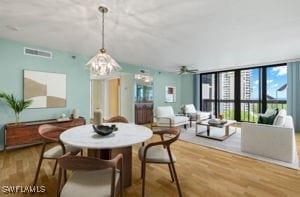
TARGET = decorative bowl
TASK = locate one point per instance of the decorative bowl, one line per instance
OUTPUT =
(104, 130)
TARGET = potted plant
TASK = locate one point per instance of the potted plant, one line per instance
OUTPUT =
(17, 105)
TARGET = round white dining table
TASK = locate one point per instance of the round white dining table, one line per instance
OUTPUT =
(107, 147)
(85, 137)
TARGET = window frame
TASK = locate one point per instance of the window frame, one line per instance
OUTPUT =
(262, 100)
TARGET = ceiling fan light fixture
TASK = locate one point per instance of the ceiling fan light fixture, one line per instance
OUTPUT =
(102, 63)
(185, 70)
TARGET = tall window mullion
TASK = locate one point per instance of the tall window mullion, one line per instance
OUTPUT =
(264, 89)
(237, 96)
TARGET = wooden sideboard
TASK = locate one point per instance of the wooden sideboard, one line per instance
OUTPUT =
(26, 133)
(143, 113)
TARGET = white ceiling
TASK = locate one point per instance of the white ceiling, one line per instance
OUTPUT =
(162, 34)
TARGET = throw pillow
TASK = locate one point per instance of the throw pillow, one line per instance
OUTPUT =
(266, 119)
(270, 112)
(280, 118)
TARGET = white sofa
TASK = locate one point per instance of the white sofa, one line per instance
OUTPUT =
(272, 141)
(194, 115)
(165, 117)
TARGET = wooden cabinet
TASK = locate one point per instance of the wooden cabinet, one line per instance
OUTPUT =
(143, 113)
(26, 133)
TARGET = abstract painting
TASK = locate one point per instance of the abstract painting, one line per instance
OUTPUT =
(47, 90)
(170, 94)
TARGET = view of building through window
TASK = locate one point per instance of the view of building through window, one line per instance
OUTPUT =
(250, 94)
(260, 88)
(226, 94)
(208, 92)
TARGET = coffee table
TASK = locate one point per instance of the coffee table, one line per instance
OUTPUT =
(206, 133)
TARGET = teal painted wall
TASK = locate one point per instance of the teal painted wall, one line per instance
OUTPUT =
(187, 87)
(13, 62)
(161, 79)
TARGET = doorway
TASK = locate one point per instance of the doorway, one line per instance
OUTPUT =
(113, 97)
(105, 96)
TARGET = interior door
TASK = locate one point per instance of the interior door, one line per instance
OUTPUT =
(113, 101)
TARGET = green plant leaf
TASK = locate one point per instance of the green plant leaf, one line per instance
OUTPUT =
(16, 105)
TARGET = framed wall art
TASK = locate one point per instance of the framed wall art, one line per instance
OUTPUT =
(170, 93)
(47, 90)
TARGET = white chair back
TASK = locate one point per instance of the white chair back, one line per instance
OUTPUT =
(164, 111)
(190, 109)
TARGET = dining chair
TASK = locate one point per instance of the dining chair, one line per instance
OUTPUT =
(118, 119)
(50, 134)
(91, 176)
(160, 153)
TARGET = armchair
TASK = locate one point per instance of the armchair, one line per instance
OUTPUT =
(275, 141)
(190, 111)
(165, 117)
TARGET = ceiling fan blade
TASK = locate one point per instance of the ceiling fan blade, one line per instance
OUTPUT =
(194, 70)
(181, 72)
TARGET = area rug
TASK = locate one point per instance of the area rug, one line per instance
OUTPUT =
(231, 144)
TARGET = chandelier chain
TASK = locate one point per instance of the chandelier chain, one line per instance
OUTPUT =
(103, 30)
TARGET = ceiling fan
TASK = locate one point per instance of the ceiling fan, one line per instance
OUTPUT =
(185, 70)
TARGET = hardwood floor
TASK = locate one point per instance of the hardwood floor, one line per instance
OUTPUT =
(202, 172)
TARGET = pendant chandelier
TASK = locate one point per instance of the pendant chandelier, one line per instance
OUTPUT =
(102, 63)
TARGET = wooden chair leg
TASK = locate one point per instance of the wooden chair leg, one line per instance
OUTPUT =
(37, 171)
(65, 176)
(59, 184)
(176, 179)
(144, 179)
(122, 183)
(54, 169)
(171, 172)
(142, 169)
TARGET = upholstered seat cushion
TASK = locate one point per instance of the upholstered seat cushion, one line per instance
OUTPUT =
(203, 115)
(89, 183)
(174, 120)
(56, 151)
(156, 154)
(191, 111)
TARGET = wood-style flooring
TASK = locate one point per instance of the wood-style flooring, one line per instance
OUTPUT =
(202, 172)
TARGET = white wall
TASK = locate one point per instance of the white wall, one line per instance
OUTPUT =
(127, 97)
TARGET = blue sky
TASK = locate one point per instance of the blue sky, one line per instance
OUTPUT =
(276, 78)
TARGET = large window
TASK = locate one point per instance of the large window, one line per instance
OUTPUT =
(250, 94)
(277, 87)
(208, 88)
(226, 94)
(244, 93)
